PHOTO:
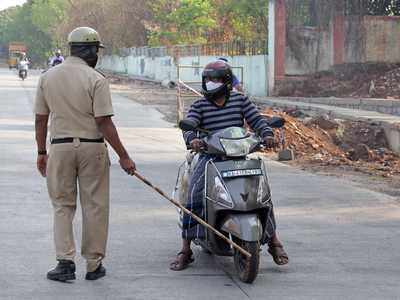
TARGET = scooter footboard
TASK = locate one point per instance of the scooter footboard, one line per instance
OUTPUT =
(246, 227)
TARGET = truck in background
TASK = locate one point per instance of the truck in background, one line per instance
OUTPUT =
(15, 52)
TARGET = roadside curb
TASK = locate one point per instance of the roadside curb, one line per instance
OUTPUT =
(386, 106)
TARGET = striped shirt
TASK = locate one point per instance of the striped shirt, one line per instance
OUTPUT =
(236, 110)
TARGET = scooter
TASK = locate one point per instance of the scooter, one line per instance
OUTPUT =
(237, 194)
(23, 69)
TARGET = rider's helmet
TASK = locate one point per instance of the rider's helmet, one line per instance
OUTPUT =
(58, 52)
(84, 36)
(217, 71)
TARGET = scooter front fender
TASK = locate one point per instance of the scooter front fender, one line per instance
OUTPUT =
(246, 227)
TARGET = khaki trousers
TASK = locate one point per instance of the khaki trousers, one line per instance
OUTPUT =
(86, 165)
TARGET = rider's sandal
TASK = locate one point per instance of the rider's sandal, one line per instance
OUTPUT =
(278, 254)
(182, 261)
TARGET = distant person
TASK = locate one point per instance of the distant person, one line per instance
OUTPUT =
(235, 82)
(23, 66)
(23, 59)
(57, 59)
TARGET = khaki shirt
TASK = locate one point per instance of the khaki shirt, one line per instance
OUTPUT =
(73, 94)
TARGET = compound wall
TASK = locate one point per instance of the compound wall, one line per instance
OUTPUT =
(162, 68)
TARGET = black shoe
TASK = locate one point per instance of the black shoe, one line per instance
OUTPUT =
(96, 274)
(65, 270)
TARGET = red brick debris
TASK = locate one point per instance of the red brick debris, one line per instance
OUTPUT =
(325, 142)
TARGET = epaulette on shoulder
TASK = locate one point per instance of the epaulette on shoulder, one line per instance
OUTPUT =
(101, 73)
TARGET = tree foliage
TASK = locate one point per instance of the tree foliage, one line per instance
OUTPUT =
(16, 24)
(177, 22)
(383, 7)
(121, 23)
(46, 15)
(44, 24)
(199, 21)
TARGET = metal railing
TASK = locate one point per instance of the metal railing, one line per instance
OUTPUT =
(233, 48)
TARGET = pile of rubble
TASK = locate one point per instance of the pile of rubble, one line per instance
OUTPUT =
(349, 80)
(385, 86)
(326, 142)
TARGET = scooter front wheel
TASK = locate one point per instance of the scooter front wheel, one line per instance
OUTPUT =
(247, 268)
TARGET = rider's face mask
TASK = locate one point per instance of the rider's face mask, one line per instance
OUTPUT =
(213, 85)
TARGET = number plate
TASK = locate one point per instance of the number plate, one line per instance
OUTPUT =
(240, 173)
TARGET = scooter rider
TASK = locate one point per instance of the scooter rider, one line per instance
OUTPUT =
(57, 59)
(23, 65)
(220, 108)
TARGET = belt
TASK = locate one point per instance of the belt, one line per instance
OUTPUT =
(70, 140)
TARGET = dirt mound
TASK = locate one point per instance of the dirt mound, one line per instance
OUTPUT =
(349, 80)
(385, 86)
(305, 140)
(356, 145)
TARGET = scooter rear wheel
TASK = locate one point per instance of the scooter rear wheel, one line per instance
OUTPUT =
(247, 268)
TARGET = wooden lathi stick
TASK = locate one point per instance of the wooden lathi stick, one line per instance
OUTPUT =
(198, 219)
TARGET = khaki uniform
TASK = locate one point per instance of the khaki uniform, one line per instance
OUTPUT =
(73, 94)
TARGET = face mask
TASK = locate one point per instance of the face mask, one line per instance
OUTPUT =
(211, 85)
(87, 53)
(92, 61)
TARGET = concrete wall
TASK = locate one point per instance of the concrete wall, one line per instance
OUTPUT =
(382, 39)
(161, 68)
(348, 39)
(308, 51)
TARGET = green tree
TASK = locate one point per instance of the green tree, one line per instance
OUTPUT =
(180, 22)
(202, 21)
(47, 15)
(243, 19)
(16, 25)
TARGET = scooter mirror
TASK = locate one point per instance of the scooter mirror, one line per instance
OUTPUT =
(187, 124)
(276, 122)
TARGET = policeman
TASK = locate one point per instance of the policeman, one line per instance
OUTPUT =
(78, 100)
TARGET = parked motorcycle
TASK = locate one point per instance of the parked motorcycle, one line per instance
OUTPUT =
(237, 194)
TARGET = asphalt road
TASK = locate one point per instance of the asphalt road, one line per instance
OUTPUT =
(343, 241)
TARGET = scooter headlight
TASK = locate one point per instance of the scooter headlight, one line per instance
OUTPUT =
(238, 147)
(221, 194)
